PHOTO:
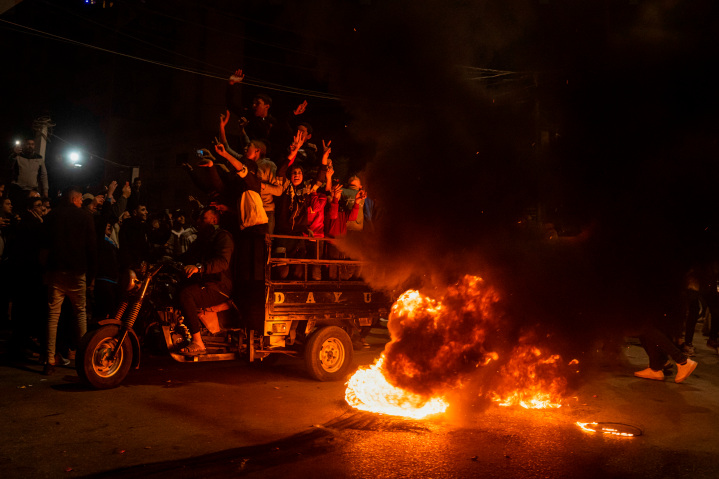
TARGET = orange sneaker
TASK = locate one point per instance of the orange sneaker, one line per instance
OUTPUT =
(649, 373)
(684, 370)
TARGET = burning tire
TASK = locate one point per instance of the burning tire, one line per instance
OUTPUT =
(93, 362)
(328, 354)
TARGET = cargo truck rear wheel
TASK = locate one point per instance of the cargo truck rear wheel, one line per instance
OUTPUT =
(328, 354)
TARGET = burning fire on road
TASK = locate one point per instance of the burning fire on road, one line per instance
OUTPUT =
(438, 345)
(610, 428)
(368, 390)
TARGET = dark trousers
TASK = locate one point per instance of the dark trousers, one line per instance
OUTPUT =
(194, 297)
(249, 274)
(251, 253)
(658, 347)
(712, 299)
(695, 306)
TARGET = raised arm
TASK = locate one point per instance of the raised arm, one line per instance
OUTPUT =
(355, 207)
(236, 77)
(297, 142)
(326, 151)
(119, 207)
(111, 191)
(300, 108)
(224, 119)
(328, 176)
(237, 164)
(232, 103)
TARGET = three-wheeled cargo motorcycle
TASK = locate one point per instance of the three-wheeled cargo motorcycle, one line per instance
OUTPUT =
(305, 318)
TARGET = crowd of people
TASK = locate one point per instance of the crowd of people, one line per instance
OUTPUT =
(275, 180)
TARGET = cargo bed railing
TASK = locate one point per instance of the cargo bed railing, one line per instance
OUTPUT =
(319, 248)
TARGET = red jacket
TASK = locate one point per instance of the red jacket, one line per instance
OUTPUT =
(336, 223)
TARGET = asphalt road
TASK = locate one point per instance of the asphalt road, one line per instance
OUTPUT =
(229, 419)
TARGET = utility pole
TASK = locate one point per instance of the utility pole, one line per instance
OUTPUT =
(42, 127)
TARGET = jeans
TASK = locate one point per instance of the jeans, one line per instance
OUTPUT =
(63, 284)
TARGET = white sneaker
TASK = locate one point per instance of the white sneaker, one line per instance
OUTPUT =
(684, 370)
(61, 361)
(649, 373)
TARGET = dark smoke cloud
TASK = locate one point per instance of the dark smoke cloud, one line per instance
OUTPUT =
(627, 87)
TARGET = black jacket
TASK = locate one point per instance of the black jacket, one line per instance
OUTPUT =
(70, 239)
(213, 251)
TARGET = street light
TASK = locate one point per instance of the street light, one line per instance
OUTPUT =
(74, 157)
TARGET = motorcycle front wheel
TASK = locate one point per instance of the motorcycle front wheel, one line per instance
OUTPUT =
(93, 362)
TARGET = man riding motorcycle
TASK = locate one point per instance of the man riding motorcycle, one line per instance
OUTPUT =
(208, 261)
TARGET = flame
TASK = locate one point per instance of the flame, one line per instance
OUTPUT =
(368, 390)
(438, 343)
(604, 429)
(530, 379)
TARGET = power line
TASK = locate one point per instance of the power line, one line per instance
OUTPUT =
(101, 25)
(94, 47)
(259, 83)
(149, 43)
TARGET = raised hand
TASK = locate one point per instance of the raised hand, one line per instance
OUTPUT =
(127, 190)
(303, 135)
(224, 119)
(361, 194)
(207, 154)
(337, 191)
(236, 77)
(327, 150)
(301, 108)
(220, 149)
(297, 141)
(111, 188)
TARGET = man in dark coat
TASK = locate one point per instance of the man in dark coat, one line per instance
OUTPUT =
(207, 262)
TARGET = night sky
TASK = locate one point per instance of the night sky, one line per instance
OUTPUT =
(465, 117)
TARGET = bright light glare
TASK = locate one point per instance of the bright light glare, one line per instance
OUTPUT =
(74, 157)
